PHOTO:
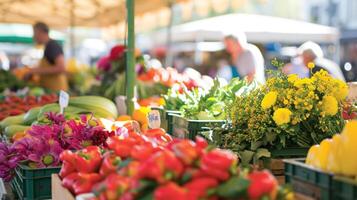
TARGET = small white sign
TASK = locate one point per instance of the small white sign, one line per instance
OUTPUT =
(63, 100)
(121, 105)
(154, 119)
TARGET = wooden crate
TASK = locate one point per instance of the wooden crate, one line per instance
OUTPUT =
(58, 191)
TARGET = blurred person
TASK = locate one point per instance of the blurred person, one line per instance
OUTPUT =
(297, 67)
(51, 68)
(246, 57)
(312, 57)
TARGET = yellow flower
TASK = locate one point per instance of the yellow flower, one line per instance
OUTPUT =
(329, 105)
(341, 91)
(269, 100)
(292, 78)
(282, 116)
(301, 82)
(310, 65)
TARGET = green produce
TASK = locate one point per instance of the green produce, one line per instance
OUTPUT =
(13, 120)
(12, 129)
(31, 116)
(100, 106)
(56, 108)
(37, 91)
(201, 104)
(8, 80)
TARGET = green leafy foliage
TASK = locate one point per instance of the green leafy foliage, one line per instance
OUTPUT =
(209, 104)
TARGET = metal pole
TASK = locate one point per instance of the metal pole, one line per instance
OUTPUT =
(130, 57)
(169, 56)
(72, 24)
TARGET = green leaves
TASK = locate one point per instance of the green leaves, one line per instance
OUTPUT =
(206, 104)
(234, 187)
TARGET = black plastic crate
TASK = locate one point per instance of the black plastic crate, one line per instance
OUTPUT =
(189, 129)
(33, 184)
(308, 180)
(344, 188)
(166, 118)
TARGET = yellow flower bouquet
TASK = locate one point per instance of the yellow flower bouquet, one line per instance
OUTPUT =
(286, 112)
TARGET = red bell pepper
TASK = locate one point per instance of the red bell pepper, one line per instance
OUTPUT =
(113, 187)
(88, 160)
(69, 180)
(122, 146)
(110, 163)
(201, 144)
(161, 166)
(158, 134)
(85, 182)
(199, 188)
(217, 163)
(170, 191)
(131, 170)
(66, 169)
(68, 156)
(185, 150)
(143, 151)
(262, 183)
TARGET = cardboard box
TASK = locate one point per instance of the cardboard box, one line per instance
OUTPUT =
(58, 191)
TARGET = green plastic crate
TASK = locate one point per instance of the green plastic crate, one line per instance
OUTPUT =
(344, 188)
(297, 152)
(33, 184)
(189, 129)
(308, 180)
(166, 118)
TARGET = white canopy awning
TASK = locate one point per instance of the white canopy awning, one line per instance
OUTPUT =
(60, 13)
(259, 29)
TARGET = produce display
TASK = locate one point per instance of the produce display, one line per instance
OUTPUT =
(349, 110)
(14, 105)
(286, 112)
(150, 81)
(153, 166)
(40, 145)
(337, 154)
(98, 106)
(208, 104)
(113, 157)
(9, 81)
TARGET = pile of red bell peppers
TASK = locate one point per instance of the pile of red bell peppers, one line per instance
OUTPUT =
(153, 166)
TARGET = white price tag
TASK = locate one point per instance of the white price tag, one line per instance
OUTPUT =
(63, 100)
(154, 119)
(121, 104)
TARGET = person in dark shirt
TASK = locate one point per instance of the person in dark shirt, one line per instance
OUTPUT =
(51, 69)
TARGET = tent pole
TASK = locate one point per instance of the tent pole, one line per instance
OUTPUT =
(72, 24)
(130, 65)
(169, 55)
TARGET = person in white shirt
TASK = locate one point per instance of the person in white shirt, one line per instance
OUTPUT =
(246, 57)
(312, 54)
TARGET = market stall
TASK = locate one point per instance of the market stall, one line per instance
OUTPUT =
(203, 138)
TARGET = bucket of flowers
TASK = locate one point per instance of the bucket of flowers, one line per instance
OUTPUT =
(284, 117)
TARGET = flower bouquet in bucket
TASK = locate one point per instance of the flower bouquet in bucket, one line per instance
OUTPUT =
(286, 112)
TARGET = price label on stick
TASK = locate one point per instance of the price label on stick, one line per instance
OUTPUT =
(154, 119)
(63, 100)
